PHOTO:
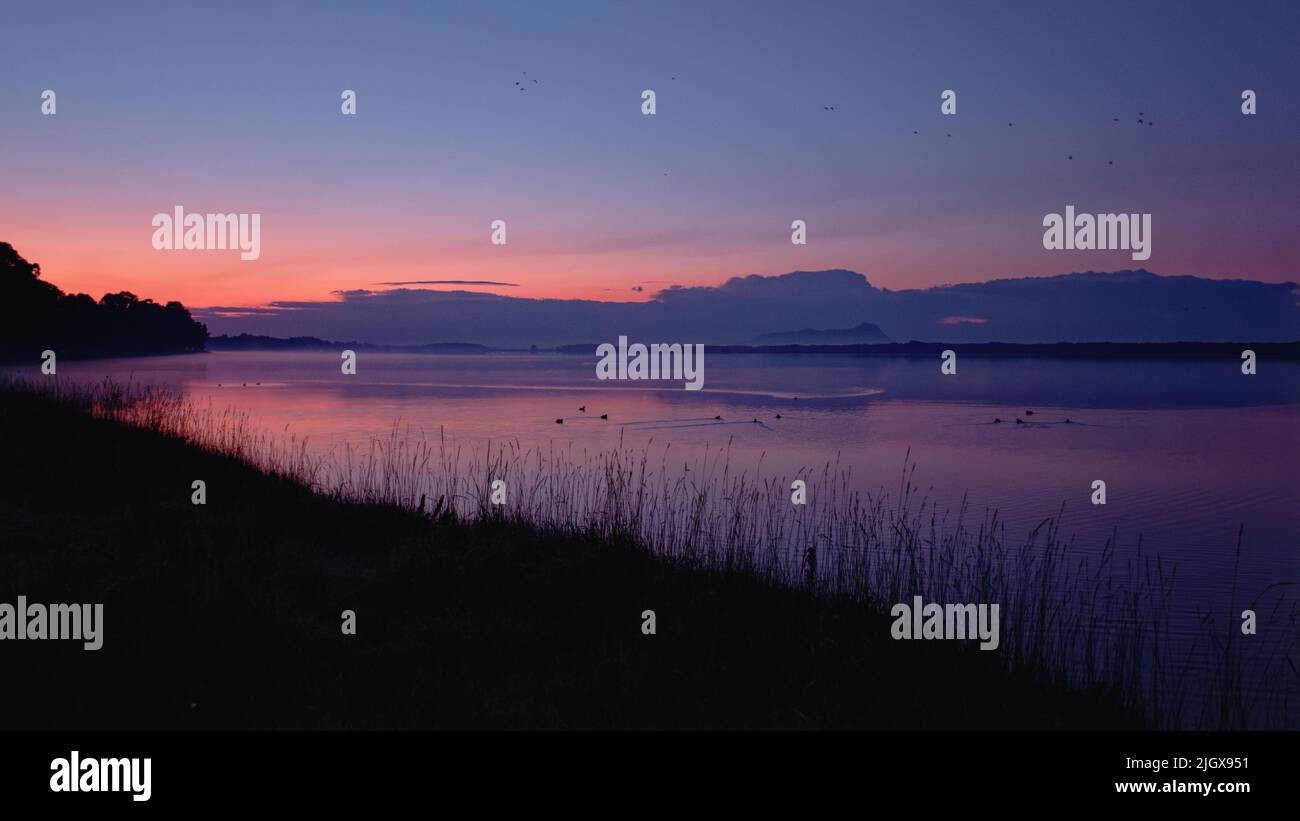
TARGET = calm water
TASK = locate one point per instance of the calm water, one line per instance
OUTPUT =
(1189, 451)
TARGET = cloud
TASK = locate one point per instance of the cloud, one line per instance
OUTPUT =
(217, 311)
(452, 282)
(1125, 306)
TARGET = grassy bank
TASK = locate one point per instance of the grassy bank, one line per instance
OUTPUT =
(228, 614)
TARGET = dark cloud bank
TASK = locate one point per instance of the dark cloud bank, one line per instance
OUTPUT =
(1125, 306)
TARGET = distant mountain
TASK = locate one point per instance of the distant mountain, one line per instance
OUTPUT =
(866, 333)
(251, 342)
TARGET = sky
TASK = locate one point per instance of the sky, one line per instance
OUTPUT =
(235, 108)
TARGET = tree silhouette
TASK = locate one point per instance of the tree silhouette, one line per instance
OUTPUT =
(36, 315)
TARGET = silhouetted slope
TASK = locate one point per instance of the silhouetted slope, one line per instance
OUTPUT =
(227, 615)
(36, 316)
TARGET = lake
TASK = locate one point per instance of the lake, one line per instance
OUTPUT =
(1190, 451)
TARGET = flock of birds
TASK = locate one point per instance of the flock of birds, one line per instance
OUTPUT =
(583, 409)
(522, 85)
(522, 82)
(1141, 120)
(1018, 421)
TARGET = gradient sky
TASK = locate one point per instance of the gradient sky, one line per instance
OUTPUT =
(234, 107)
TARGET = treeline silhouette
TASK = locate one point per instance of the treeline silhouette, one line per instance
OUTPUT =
(36, 316)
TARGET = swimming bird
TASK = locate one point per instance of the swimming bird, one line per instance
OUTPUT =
(997, 421)
(717, 418)
(559, 421)
(1067, 421)
(583, 408)
(604, 416)
(755, 421)
(1020, 421)
(1029, 413)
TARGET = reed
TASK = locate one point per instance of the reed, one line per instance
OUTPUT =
(1097, 620)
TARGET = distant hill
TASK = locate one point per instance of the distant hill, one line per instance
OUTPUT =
(866, 333)
(36, 316)
(1227, 351)
(1230, 351)
(251, 342)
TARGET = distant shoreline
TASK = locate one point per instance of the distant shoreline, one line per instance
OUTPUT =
(1198, 351)
(1051, 350)
(1054, 350)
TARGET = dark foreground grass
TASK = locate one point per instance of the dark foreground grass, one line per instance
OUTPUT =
(228, 615)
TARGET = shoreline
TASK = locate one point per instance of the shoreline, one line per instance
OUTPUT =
(228, 614)
(1102, 351)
